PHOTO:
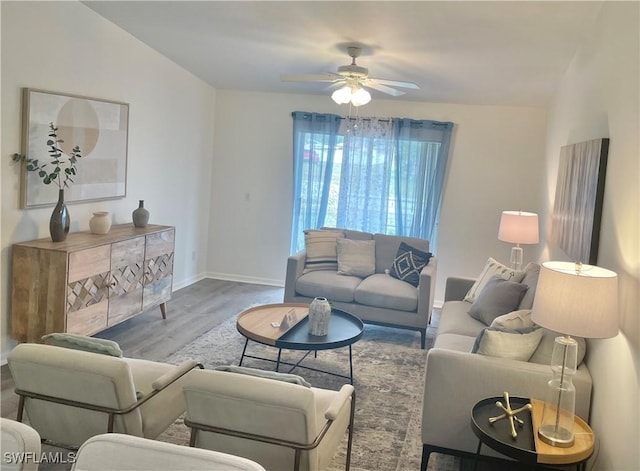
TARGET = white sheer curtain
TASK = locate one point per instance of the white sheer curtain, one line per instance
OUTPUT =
(382, 175)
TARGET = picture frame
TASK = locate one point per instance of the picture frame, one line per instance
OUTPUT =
(99, 127)
(577, 209)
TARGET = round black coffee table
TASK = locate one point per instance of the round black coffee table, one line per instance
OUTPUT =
(261, 324)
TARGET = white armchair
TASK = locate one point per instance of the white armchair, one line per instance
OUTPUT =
(20, 445)
(282, 426)
(117, 452)
(71, 395)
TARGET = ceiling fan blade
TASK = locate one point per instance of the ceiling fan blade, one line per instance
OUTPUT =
(396, 83)
(310, 77)
(383, 88)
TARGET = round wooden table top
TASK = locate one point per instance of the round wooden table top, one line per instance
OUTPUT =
(264, 324)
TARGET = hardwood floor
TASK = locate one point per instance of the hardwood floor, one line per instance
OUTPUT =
(191, 312)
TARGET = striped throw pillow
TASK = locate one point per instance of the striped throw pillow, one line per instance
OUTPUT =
(322, 250)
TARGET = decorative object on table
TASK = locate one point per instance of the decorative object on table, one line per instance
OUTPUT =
(140, 215)
(576, 300)
(289, 320)
(98, 127)
(61, 169)
(319, 315)
(518, 227)
(60, 221)
(100, 223)
(510, 414)
(577, 208)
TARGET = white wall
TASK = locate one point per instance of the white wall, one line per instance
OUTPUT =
(496, 163)
(598, 97)
(68, 48)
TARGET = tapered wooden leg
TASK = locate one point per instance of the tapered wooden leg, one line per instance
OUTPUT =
(163, 310)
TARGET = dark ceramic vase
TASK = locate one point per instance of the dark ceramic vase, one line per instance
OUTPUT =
(59, 222)
(140, 216)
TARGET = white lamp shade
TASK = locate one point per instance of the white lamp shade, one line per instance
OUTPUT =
(518, 227)
(582, 304)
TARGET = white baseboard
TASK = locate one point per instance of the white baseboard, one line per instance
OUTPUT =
(246, 279)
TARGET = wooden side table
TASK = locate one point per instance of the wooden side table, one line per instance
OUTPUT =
(527, 447)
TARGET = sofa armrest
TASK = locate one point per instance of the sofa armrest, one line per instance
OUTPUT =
(456, 288)
(426, 289)
(295, 267)
(455, 381)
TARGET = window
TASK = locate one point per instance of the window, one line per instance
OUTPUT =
(369, 174)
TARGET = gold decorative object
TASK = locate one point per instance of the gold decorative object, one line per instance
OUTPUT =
(510, 414)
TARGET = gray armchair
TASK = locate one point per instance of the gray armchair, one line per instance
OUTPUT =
(71, 395)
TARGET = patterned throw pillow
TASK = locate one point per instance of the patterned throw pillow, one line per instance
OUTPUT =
(321, 250)
(408, 263)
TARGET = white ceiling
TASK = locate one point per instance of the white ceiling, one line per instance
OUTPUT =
(471, 52)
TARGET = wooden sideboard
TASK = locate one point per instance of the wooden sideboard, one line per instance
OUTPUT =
(89, 282)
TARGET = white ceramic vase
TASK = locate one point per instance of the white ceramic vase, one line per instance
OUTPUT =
(100, 223)
(319, 315)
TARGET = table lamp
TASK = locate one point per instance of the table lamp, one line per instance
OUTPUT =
(518, 227)
(575, 300)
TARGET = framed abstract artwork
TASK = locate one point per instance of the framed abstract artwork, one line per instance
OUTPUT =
(577, 208)
(99, 127)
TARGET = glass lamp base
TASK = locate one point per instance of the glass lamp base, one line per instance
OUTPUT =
(556, 436)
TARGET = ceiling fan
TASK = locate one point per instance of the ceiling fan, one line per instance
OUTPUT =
(353, 78)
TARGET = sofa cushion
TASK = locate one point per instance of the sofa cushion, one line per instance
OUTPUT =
(498, 297)
(84, 343)
(356, 257)
(381, 290)
(408, 263)
(455, 342)
(387, 249)
(514, 320)
(455, 319)
(327, 284)
(530, 278)
(492, 268)
(506, 343)
(321, 250)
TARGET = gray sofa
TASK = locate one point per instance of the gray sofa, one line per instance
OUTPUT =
(455, 378)
(376, 299)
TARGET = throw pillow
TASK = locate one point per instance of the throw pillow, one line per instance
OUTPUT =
(321, 250)
(408, 263)
(514, 320)
(286, 377)
(356, 257)
(530, 276)
(504, 343)
(492, 268)
(496, 298)
(84, 343)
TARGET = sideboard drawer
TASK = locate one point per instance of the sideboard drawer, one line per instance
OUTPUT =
(89, 320)
(85, 263)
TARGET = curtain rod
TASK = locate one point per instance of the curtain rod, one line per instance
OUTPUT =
(386, 120)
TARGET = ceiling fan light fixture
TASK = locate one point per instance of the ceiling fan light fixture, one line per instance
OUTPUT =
(342, 95)
(360, 97)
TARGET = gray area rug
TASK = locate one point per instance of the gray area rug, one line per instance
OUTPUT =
(388, 377)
